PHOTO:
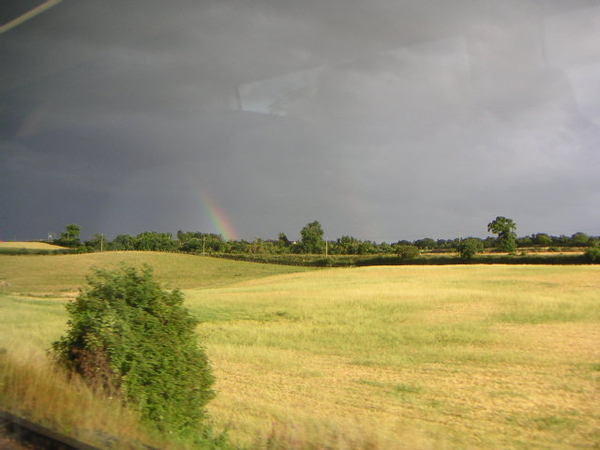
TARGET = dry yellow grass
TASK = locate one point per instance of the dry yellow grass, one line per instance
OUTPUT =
(418, 357)
(391, 357)
(29, 245)
(32, 387)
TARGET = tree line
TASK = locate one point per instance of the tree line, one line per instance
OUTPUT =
(312, 242)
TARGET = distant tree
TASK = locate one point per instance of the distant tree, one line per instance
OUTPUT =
(151, 240)
(505, 229)
(185, 236)
(425, 243)
(196, 242)
(384, 247)
(257, 246)
(489, 242)
(283, 241)
(70, 237)
(580, 239)
(525, 241)
(561, 240)
(122, 242)
(213, 242)
(97, 243)
(347, 245)
(312, 238)
(407, 251)
(542, 239)
(592, 254)
(367, 247)
(240, 246)
(193, 245)
(467, 248)
(441, 243)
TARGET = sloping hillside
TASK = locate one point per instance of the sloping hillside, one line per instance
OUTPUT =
(30, 245)
(63, 274)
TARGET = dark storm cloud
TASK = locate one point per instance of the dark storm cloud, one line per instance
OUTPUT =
(385, 120)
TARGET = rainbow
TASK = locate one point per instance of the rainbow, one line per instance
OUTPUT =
(218, 218)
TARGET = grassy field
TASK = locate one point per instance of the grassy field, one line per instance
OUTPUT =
(30, 245)
(372, 357)
(63, 274)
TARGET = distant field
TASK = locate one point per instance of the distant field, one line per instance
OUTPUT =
(30, 245)
(373, 357)
(63, 274)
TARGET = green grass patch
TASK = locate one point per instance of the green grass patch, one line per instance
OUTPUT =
(551, 311)
(407, 389)
(64, 273)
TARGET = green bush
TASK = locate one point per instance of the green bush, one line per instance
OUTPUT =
(408, 251)
(593, 254)
(127, 335)
(469, 247)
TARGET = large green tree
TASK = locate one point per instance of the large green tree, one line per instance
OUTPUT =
(505, 229)
(312, 238)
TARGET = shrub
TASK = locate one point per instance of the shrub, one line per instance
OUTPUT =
(127, 335)
(593, 254)
(468, 248)
(408, 251)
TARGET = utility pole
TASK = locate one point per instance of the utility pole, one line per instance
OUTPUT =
(101, 242)
(203, 243)
(326, 247)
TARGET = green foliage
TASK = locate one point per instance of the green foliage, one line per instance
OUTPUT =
(69, 237)
(312, 238)
(542, 239)
(122, 242)
(425, 243)
(389, 260)
(580, 239)
(408, 251)
(283, 241)
(347, 245)
(151, 240)
(194, 245)
(127, 335)
(468, 248)
(97, 243)
(505, 229)
(195, 242)
(593, 255)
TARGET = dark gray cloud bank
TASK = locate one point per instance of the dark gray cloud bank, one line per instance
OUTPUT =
(383, 119)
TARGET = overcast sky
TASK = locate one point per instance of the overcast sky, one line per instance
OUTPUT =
(382, 119)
